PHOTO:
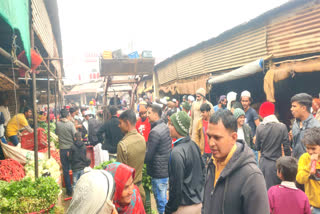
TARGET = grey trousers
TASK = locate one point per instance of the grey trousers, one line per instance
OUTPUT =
(269, 170)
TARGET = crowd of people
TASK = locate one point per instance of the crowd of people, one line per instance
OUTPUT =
(227, 158)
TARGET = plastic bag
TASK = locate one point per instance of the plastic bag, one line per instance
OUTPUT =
(19, 154)
(100, 155)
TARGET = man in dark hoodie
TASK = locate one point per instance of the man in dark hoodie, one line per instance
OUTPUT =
(78, 158)
(112, 133)
(186, 169)
(234, 184)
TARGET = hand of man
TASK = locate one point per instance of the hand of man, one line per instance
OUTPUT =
(290, 135)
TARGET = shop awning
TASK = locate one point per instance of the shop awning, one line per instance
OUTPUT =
(91, 87)
(16, 14)
(6, 83)
(287, 69)
(244, 71)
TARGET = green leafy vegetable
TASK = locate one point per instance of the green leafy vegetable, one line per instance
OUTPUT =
(27, 196)
(146, 179)
(104, 164)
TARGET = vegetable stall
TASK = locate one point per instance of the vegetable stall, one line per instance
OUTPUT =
(20, 190)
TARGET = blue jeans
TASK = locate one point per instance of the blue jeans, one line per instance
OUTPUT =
(315, 210)
(75, 176)
(3, 140)
(14, 139)
(256, 154)
(159, 188)
(65, 168)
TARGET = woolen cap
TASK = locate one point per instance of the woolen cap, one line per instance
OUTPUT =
(238, 112)
(266, 109)
(181, 122)
(186, 106)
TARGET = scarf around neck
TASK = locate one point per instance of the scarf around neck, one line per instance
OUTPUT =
(270, 119)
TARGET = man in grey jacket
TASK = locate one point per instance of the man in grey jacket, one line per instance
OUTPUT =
(234, 184)
(300, 109)
(65, 131)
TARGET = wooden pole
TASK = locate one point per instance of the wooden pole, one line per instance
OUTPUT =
(55, 99)
(48, 115)
(35, 116)
(17, 62)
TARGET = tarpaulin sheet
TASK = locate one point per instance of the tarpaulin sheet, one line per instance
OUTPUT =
(16, 14)
(244, 71)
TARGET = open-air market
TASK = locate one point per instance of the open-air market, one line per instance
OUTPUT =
(145, 107)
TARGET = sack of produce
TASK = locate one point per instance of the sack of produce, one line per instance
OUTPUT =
(19, 154)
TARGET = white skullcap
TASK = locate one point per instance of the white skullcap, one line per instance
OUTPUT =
(245, 94)
(190, 98)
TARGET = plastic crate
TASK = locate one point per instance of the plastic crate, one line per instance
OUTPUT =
(90, 155)
(27, 140)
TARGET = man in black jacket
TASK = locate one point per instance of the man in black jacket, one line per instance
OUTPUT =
(112, 133)
(234, 184)
(271, 137)
(186, 169)
(157, 156)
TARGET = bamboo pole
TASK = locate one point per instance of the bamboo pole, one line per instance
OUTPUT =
(48, 115)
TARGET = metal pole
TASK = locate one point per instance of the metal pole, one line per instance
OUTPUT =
(48, 116)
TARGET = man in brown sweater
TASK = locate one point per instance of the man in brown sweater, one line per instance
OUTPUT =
(132, 148)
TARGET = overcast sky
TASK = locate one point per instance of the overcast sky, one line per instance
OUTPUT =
(165, 27)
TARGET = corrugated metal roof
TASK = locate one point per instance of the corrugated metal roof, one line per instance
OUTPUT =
(237, 51)
(295, 34)
(191, 65)
(291, 29)
(43, 28)
(167, 73)
(261, 20)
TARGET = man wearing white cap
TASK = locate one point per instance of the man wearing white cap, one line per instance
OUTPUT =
(195, 109)
(252, 118)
